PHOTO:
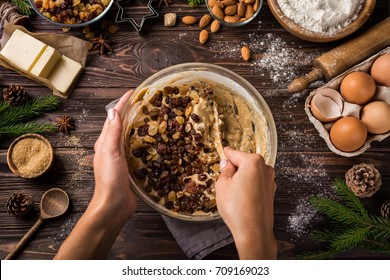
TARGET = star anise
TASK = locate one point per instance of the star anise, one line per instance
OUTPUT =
(166, 2)
(102, 44)
(65, 124)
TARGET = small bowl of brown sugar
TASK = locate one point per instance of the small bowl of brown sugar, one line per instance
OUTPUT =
(30, 156)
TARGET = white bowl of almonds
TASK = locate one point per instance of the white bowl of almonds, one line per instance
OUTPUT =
(234, 13)
(176, 124)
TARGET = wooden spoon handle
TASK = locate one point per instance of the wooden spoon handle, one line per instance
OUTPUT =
(24, 240)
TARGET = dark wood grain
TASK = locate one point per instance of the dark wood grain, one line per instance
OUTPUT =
(305, 166)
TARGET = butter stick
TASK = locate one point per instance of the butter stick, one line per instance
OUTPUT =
(65, 74)
(23, 50)
(46, 63)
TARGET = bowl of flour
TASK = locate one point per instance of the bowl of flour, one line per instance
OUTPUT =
(321, 20)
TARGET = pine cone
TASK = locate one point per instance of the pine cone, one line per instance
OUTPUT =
(385, 209)
(19, 204)
(15, 95)
(363, 179)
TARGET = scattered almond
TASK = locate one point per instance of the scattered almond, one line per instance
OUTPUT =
(204, 21)
(245, 53)
(203, 36)
(215, 25)
(189, 20)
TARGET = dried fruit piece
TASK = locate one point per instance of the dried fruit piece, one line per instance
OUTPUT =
(204, 21)
(245, 53)
(189, 20)
(203, 36)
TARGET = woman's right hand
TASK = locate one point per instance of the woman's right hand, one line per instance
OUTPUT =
(245, 198)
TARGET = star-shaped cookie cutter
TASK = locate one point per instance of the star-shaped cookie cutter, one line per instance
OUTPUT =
(120, 15)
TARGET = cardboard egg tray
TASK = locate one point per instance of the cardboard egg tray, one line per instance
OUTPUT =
(382, 93)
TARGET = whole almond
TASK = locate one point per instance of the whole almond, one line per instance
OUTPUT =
(218, 13)
(204, 21)
(211, 3)
(230, 19)
(245, 53)
(241, 9)
(189, 20)
(256, 5)
(229, 2)
(203, 36)
(231, 10)
(249, 1)
(249, 11)
(215, 25)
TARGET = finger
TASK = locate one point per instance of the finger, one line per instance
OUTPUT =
(235, 157)
(121, 103)
(227, 169)
(112, 138)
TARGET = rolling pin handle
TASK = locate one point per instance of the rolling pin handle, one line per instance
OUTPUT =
(302, 83)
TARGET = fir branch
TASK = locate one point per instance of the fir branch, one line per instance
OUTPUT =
(194, 3)
(24, 7)
(15, 130)
(354, 226)
(350, 199)
(336, 211)
(28, 110)
(4, 105)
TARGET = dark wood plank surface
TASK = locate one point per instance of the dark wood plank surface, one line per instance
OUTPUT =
(305, 166)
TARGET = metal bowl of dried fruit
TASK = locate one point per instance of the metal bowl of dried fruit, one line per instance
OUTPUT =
(234, 13)
(176, 124)
(72, 13)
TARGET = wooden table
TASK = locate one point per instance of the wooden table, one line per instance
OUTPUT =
(305, 166)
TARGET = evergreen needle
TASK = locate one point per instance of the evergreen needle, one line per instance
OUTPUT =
(28, 110)
(24, 7)
(353, 225)
(15, 130)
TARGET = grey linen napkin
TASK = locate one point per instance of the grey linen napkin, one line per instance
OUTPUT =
(196, 239)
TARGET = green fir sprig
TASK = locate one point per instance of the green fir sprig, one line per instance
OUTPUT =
(354, 226)
(194, 3)
(24, 7)
(16, 121)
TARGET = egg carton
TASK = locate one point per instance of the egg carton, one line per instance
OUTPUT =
(349, 109)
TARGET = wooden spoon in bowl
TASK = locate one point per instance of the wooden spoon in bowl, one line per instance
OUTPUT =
(54, 203)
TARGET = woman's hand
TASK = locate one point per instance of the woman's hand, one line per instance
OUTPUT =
(112, 203)
(245, 198)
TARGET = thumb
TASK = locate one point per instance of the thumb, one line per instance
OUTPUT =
(227, 169)
(114, 131)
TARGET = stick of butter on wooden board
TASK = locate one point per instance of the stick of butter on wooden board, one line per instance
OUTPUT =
(33, 58)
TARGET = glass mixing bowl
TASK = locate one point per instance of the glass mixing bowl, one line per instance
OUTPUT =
(214, 73)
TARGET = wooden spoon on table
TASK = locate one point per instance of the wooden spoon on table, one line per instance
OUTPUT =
(54, 203)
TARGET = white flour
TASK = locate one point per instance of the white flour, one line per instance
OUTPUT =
(321, 16)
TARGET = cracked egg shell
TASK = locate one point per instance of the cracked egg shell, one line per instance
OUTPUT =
(357, 87)
(376, 116)
(327, 105)
(348, 134)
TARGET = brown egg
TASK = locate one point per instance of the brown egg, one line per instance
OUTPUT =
(376, 116)
(357, 87)
(348, 134)
(380, 70)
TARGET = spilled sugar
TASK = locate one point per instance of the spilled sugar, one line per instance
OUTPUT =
(270, 54)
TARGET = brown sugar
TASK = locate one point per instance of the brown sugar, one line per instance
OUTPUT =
(30, 156)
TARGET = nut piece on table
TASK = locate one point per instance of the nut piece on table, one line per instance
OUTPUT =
(170, 19)
(203, 36)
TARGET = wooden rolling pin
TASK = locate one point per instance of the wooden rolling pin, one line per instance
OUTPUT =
(343, 57)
